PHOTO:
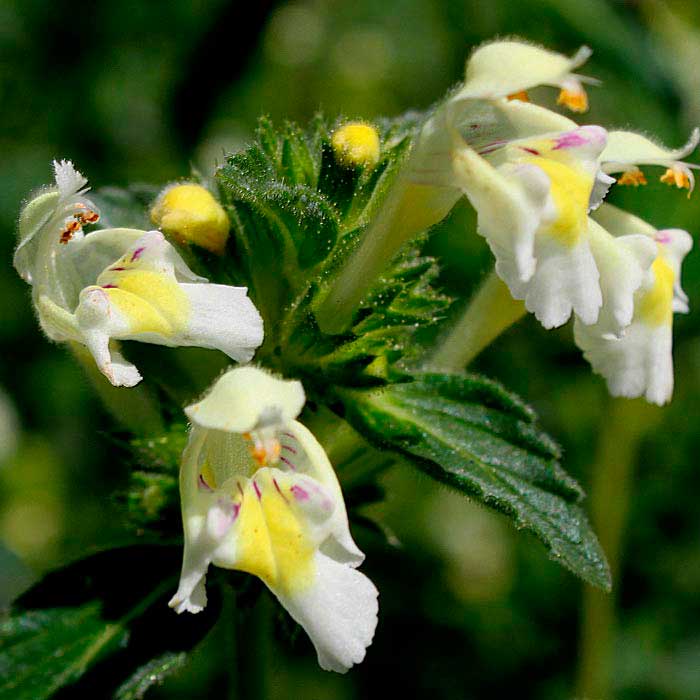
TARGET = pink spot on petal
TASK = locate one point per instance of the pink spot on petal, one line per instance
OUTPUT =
(257, 489)
(532, 151)
(299, 493)
(663, 237)
(236, 510)
(571, 140)
(117, 269)
(137, 253)
(109, 286)
(290, 448)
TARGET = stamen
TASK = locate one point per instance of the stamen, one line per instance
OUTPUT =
(89, 216)
(522, 96)
(635, 178)
(676, 177)
(72, 226)
(263, 449)
(575, 100)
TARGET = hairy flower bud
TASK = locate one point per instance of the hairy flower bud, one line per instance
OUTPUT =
(189, 213)
(356, 144)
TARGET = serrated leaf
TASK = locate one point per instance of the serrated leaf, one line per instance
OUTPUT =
(470, 433)
(96, 623)
(296, 215)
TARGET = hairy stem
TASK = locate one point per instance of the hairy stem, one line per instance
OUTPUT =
(408, 210)
(491, 311)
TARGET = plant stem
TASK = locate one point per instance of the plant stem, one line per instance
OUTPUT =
(253, 649)
(491, 310)
(621, 431)
(409, 209)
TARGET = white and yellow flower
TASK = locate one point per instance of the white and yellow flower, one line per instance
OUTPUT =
(627, 150)
(532, 198)
(259, 495)
(121, 284)
(640, 361)
(531, 174)
(510, 68)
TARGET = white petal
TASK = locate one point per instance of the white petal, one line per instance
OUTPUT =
(96, 251)
(310, 458)
(638, 364)
(565, 281)
(510, 203)
(222, 318)
(481, 123)
(246, 397)
(503, 68)
(199, 547)
(38, 212)
(626, 148)
(676, 244)
(338, 612)
(68, 179)
(601, 187)
(622, 263)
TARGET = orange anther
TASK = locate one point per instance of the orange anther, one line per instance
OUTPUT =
(69, 230)
(522, 96)
(635, 178)
(575, 100)
(676, 177)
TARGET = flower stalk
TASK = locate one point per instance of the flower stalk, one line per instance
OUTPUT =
(490, 312)
(409, 209)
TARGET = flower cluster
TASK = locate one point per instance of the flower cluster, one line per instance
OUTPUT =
(538, 181)
(258, 491)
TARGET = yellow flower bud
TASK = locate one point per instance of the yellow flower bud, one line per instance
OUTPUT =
(190, 214)
(356, 144)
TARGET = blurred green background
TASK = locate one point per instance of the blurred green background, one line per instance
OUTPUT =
(139, 92)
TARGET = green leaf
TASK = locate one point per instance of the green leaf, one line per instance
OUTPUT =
(150, 674)
(95, 624)
(296, 215)
(152, 496)
(470, 433)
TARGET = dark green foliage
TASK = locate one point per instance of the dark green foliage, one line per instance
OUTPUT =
(110, 604)
(297, 215)
(473, 435)
(152, 497)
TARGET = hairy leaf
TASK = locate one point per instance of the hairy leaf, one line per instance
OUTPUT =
(297, 214)
(470, 433)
